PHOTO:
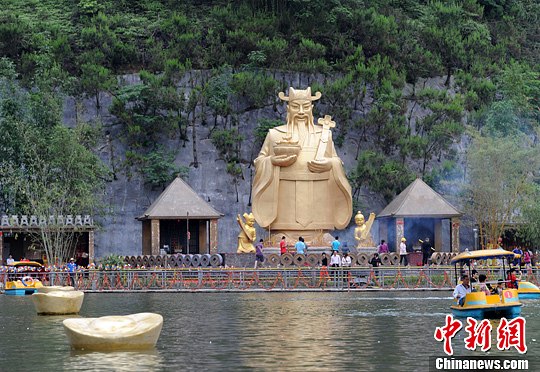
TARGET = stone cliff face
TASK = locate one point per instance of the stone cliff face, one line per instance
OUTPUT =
(129, 197)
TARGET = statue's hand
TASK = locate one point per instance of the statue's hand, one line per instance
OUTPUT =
(283, 160)
(319, 166)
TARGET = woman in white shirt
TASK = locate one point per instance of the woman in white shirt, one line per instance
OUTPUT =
(403, 252)
(346, 260)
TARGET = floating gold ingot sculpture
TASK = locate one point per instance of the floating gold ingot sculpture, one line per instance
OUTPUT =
(58, 302)
(128, 332)
(362, 231)
(300, 187)
(248, 234)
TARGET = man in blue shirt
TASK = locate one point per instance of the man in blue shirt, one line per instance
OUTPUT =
(71, 267)
(336, 244)
(300, 246)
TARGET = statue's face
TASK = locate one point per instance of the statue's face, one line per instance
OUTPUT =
(300, 110)
(359, 220)
(250, 222)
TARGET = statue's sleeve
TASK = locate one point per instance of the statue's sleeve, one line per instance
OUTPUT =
(265, 185)
(341, 188)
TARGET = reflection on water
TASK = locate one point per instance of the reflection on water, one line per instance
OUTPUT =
(122, 361)
(268, 331)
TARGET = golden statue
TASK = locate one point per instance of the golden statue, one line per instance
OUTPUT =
(300, 187)
(362, 230)
(248, 234)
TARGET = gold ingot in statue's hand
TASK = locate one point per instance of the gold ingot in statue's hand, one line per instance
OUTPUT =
(287, 149)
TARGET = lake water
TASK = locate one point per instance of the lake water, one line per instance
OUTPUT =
(372, 331)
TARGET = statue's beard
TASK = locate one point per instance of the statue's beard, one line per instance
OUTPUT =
(300, 128)
(306, 119)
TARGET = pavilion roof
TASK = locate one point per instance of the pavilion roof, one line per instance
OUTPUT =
(176, 201)
(419, 200)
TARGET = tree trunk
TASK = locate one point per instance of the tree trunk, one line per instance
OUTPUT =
(194, 139)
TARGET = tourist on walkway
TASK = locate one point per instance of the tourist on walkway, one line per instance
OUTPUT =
(518, 260)
(336, 244)
(324, 259)
(346, 260)
(259, 256)
(282, 246)
(375, 262)
(383, 247)
(72, 267)
(335, 263)
(300, 246)
(462, 289)
(527, 258)
(335, 260)
(427, 249)
(403, 253)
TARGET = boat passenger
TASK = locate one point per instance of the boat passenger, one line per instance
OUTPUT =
(499, 288)
(483, 286)
(511, 279)
(474, 276)
(462, 289)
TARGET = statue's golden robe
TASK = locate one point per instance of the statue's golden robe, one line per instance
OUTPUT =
(295, 199)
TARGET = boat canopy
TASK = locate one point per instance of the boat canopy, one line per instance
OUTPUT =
(25, 263)
(483, 254)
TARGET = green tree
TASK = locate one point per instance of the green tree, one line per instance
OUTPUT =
(500, 181)
(96, 79)
(441, 126)
(159, 169)
(46, 171)
(381, 174)
(228, 142)
(452, 30)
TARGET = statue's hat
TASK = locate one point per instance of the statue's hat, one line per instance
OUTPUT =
(249, 217)
(299, 94)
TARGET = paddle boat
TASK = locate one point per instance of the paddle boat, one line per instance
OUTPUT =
(23, 275)
(478, 305)
(528, 291)
(129, 332)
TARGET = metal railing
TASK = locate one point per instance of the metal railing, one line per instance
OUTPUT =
(267, 279)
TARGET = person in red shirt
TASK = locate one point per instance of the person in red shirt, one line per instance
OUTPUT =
(511, 279)
(282, 246)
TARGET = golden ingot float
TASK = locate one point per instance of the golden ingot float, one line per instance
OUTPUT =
(53, 288)
(129, 332)
(58, 302)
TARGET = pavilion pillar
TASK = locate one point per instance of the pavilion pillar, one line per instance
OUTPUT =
(455, 234)
(202, 237)
(213, 236)
(155, 237)
(438, 243)
(400, 231)
(91, 251)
